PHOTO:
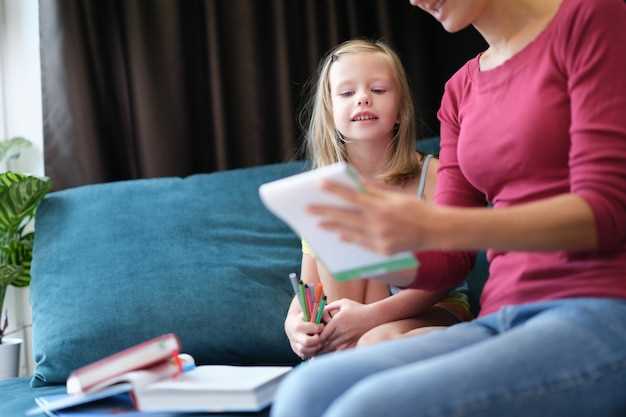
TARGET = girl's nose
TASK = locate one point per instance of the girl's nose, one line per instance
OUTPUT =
(364, 101)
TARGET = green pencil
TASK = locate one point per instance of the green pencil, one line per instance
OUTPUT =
(320, 310)
(303, 304)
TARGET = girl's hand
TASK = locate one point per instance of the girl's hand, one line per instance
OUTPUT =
(304, 336)
(383, 221)
(350, 320)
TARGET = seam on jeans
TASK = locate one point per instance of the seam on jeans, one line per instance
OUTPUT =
(572, 381)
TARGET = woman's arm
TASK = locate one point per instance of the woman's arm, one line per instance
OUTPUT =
(564, 222)
(390, 222)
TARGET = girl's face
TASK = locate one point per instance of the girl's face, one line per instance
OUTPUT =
(364, 95)
(453, 15)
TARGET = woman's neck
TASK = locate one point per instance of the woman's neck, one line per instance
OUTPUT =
(368, 157)
(509, 26)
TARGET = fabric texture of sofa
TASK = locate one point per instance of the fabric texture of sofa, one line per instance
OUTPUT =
(117, 263)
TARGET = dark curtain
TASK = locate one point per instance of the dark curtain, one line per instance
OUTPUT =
(151, 88)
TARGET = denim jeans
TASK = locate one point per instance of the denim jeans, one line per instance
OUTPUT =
(558, 358)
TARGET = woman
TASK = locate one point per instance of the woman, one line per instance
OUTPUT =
(536, 125)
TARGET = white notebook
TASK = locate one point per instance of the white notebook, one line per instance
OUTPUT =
(214, 388)
(288, 199)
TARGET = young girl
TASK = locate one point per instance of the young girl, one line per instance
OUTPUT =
(362, 112)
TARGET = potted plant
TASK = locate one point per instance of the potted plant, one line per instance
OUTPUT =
(20, 196)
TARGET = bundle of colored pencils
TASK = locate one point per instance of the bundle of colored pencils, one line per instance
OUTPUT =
(311, 298)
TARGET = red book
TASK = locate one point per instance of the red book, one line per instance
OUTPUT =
(153, 352)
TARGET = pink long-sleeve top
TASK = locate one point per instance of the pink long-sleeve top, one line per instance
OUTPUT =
(551, 120)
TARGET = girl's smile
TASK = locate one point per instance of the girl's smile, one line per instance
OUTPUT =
(364, 117)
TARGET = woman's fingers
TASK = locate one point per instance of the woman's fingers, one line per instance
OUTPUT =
(367, 194)
(350, 195)
(347, 193)
(348, 233)
(377, 219)
(346, 214)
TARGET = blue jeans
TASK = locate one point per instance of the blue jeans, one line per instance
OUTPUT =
(559, 358)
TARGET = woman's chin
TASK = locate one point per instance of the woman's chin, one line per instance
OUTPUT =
(451, 25)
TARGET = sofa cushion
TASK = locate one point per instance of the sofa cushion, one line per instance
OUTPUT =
(16, 396)
(118, 263)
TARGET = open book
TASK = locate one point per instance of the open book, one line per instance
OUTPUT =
(288, 199)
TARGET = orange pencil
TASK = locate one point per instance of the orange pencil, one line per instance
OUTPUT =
(319, 291)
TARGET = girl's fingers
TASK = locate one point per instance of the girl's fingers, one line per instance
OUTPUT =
(326, 317)
(328, 332)
(308, 327)
(307, 341)
(333, 345)
(306, 351)
(332, 307)
(346, 346)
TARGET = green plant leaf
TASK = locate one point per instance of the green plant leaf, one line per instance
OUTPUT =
(12, 274)
(16, 253)
(19, 197)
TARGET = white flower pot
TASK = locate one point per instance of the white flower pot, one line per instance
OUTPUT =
(10, 357)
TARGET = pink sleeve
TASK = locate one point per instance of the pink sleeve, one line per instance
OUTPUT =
(594, 56)
(441, 270)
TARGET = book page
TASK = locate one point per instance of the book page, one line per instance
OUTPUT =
(288, 199)
(221, 378)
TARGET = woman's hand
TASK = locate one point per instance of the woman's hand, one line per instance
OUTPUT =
(350, 320)
(383, 221)
(304, 336)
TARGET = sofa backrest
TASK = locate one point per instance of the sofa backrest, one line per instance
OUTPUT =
(115, 264)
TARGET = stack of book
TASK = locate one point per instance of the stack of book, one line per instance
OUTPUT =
(155, 376)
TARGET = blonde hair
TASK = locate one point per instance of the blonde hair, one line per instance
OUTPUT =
(324, 143)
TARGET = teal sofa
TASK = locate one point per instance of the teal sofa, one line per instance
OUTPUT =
(118, 263)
